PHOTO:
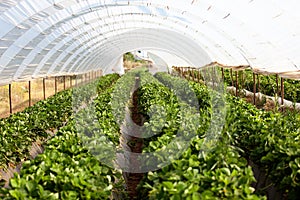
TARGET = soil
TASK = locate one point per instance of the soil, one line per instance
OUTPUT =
(133, 179)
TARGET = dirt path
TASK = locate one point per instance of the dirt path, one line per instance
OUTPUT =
(133, 144)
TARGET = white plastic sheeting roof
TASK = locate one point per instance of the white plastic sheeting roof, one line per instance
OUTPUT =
(59, 37)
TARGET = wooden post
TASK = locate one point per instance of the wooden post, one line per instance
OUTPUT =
(29, 93)
(277, 84)
(188, 73)
(64, 82)
(258, 84)
(44, 88)
(231, 76)
(55, 84)
(282, 90)
(222, 73)
(198, 75)
(243, 80)
(71, 81)
(10, 101)
(236, 84)
(181, 74)
(254, 89)
(76, 81)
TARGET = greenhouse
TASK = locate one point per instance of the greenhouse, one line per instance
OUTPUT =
(148, 99)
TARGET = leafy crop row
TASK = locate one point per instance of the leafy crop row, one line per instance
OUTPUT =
(271, 140)
(20, 130)
(218, 173)
(66, 170)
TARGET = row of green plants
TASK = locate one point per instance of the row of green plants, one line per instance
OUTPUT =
(66, 169)
(215, 173)
(161, 114)
(267, 84)
(270, 140)
(21, 129)
(70, 168)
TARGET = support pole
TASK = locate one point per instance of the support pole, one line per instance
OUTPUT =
(213, 76)
(231, 76)
(181, 71)
(194, 77)
(236, 84)
(44, 88)
(222, 73)
(76, 80)
(243, 80)
(71, 81)
(29, 93)
(282, 90)
(64, 82)
(55, 84)
(198, 75)
(10, 96)
(277, 84)
(258, 83)
(254, 89)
